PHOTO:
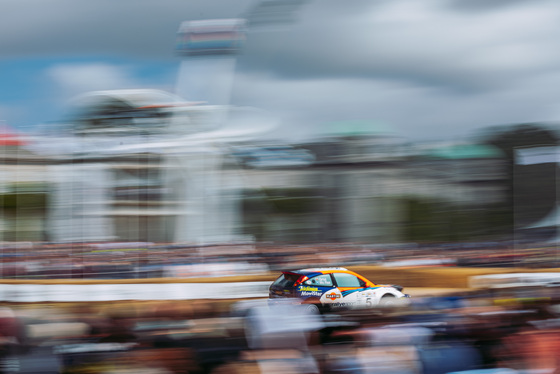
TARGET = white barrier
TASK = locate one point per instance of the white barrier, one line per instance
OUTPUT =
(510, 280)
(31, 293)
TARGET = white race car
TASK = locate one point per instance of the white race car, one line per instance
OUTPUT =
(333, 288)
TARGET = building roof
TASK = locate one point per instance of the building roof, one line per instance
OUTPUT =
(353, 128)
(464, 151)
(136, 98)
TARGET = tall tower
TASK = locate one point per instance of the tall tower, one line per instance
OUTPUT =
(209, 49)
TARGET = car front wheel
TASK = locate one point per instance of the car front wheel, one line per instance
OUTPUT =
(388, 301)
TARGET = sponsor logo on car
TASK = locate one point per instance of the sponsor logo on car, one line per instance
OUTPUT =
(333, 295)
(343, 305)
(307, 288)
(311, 293)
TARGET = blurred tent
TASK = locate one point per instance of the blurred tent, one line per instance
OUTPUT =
(551, 220)
(13, 145)
(539, 155)
(9, 137)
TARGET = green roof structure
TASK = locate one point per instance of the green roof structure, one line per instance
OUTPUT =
(464, 151)
(355, 128)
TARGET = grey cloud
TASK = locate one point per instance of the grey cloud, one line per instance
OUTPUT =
(142, 28)
(413, 111)
(425, 67)
(466, 55)
(484, 5)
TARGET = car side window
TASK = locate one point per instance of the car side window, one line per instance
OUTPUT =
(320, 280)
(347, 280)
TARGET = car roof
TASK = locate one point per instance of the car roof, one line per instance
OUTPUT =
(317, 271)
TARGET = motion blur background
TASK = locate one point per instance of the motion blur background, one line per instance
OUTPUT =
(144, 140)
(367, 122)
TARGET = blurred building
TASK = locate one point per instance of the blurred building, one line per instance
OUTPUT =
(332, 189)
(23, 189)
(464, 174)
(136, 167)
(128, 171)
(358, 185)
(146, 165)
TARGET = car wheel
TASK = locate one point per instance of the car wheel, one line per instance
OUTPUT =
(388, 301)
(312, 307)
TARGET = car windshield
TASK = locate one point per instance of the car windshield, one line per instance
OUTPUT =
(286, 280)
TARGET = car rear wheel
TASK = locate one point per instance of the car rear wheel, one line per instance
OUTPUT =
(312, 306)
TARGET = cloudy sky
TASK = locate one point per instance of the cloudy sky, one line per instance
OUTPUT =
(427, 69)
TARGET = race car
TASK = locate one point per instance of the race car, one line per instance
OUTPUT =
(324, 289)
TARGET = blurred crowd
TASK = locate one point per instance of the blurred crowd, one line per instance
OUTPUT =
(152, 260)
(480, 332)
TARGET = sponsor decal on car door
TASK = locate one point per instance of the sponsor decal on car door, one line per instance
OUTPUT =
(333, 297)
(354, 291)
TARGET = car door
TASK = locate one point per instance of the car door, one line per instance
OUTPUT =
(351, 290)
(316, 287)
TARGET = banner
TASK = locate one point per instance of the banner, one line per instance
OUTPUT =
(537, 155)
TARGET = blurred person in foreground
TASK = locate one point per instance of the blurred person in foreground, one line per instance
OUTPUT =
(534, 350)
(12, 337)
